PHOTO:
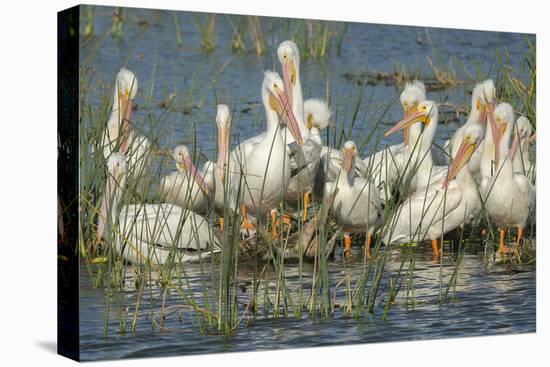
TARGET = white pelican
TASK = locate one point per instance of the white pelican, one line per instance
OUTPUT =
(186, 187)
(509, 197)
(317, 113)
(435, 210)
(396, 162)
(423, 170)
(520, 148)
(303, 170)
(357, 206)
(478, 115)
(263, 159)
(489, 153)
(119, 136)
(155, 232)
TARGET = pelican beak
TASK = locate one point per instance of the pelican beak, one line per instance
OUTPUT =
(483, 117)
(514, 147)
(106, 200)
(463, 155)
(223, 147)
(406, 138)
(199, 179)
(501, 128)
(284, 109)
(348, 159)
(408, 121)
(126, 105)
(289, 79)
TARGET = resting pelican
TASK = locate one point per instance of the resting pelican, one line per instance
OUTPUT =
(395, 162)
(423, 170)
(435, 210)
(155, 232)
(186, 187)
(509, 197)
(264, 160)
(489, 153)
(119, 136)
(303, 170)
(357, 206)
(522, 139)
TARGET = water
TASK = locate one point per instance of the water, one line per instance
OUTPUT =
(489, 300)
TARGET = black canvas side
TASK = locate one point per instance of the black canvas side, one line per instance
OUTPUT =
(67, 183)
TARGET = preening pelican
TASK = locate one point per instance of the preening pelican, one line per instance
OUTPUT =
(520, 148)
(394, 162)
(423, 170)
(186, 187)
(119, 136)
(509, 197)
(434, 210)
(303, 170)
(155, 232)
(357, 206)
(264, 160)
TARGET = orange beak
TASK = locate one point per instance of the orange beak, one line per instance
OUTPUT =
(462, 157)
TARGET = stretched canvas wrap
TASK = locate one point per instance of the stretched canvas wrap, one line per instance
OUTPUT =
(237, 183)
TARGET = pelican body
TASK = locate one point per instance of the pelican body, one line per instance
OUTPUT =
(150, 232)
(509, 197)
(435, 210)
(186, 187)
(357, 206)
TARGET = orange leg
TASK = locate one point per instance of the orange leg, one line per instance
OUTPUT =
(435, 249)
(347, 245)
(221, 222)
(368, 240)
(246, 224)
(501, 247)
(274, 223)
(306, 203)
(520, 237)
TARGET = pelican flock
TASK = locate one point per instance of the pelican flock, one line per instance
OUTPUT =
(393, 196)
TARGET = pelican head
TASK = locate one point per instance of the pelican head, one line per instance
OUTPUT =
(489, 93)
(504, 123)
(275, 99)
(522, 133)
(289, 57)
(223, 120)
(473, 134)
(127, 83)
(413, 93)
(185, 166)
(126, 89)
(317, 113)
(349, 151)
(479, 104)
(523, 127)
(425, 112)
(117, 167)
